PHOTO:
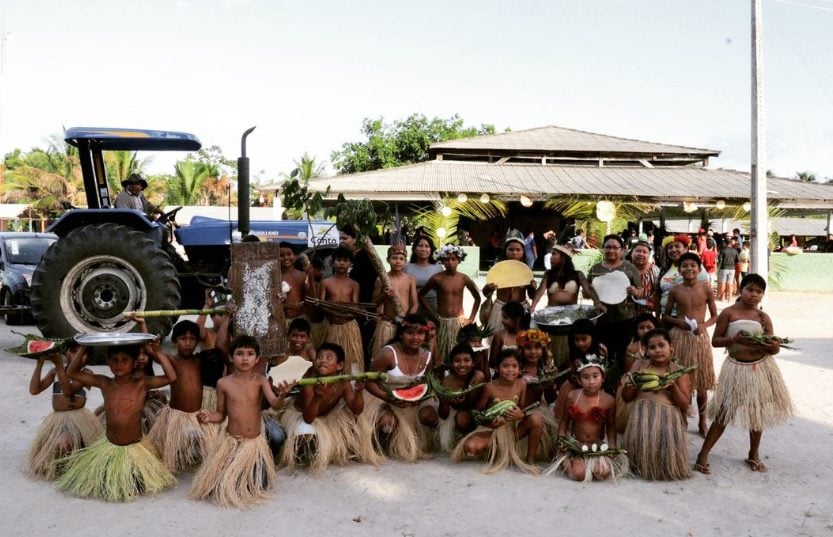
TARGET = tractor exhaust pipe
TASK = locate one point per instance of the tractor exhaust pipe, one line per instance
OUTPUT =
(243, 187)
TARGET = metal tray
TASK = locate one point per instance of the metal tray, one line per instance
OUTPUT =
(107, 339)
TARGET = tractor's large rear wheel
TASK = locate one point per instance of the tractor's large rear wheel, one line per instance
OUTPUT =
(88, 278)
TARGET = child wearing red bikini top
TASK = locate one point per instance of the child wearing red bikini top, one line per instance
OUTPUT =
(589, 419)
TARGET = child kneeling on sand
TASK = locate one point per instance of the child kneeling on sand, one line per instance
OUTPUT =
(123, 464)
(322, 421)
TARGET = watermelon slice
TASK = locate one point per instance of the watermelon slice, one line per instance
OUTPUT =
(412, 394)
(37, 346)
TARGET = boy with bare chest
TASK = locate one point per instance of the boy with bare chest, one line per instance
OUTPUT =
(450, 285)
(99, 471)
(293, 302)
(403, 287)
(177, 432)
(239, 471)
(322, 423)
(343, 329)
(689, 337)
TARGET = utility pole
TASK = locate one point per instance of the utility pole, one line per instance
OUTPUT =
(759, 255)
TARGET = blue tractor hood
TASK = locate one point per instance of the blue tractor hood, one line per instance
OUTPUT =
(207, 231)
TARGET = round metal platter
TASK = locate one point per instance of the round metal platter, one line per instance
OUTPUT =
(107, 339)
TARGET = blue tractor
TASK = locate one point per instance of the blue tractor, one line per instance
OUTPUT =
(107, 260)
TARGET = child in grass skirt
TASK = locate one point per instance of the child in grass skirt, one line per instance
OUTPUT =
(322, 421)
(239, 470)
(392, 426)
(121, 465)
(455, 414)
(590, 413)
(689, 337)
(497, 439)
(536, 366)
(68, 428)
(750, 390)
(655, 437)
(177, 433)
(635, 353)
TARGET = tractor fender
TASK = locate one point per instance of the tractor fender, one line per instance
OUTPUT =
(76, 218)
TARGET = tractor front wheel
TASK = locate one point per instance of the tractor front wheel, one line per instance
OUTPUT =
(87, 279)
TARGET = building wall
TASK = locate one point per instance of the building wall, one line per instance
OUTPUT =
(802, 272)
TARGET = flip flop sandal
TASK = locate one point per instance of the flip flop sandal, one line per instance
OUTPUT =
(756, 466)
(703, 468)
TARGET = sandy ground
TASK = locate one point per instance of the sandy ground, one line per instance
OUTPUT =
(441, 499)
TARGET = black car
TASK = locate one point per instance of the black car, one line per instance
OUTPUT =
(20, 252)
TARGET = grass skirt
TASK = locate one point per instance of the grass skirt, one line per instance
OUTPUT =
(385, 331)
(751, 394)
(239, 472)
(61, 434)
(349, 337)
(181, 439)
(447, 332)
(655, 441)
(318, 331)
(447, 433)
(503, 450)
(114, 473)
(691, 349)
(616, 467)
(333, 442)
(409, 441)
(209, 398)
(560, 352)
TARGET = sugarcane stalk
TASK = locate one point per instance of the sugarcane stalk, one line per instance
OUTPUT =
(174, 313)
(334, 379)
(383, 276)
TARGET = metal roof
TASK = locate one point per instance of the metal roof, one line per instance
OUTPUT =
(562, 140)
(425, 180)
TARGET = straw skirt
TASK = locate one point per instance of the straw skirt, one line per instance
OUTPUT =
(751, 394)
(61, 434)
(349, 337)
(655, 441)
(112, 473)
(691, 349)
(239, 472)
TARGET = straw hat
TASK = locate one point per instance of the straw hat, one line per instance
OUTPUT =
(563, 249)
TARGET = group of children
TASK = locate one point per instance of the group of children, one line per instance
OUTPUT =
(512, 407)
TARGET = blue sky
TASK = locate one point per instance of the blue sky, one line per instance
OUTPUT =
(307, 73)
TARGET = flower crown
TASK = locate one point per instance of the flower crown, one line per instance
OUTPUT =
(528, 338)
(421, 328)
(450, 249)
(590, 360)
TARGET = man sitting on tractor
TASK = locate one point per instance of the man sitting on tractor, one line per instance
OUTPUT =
(132, 198)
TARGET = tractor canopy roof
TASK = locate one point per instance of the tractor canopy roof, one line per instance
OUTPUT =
(132, 139)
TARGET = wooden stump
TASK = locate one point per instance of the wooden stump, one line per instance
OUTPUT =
(255, 282)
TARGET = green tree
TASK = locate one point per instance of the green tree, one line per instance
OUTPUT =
(806, 176)
(183, 188)
(44, 178)
(119, 165)
(401, 142)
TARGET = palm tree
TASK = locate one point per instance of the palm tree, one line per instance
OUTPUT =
(184, 187)
(119, 165)
(44, 178)
(307, 168)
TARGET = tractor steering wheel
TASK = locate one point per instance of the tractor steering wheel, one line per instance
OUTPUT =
(170, 216)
